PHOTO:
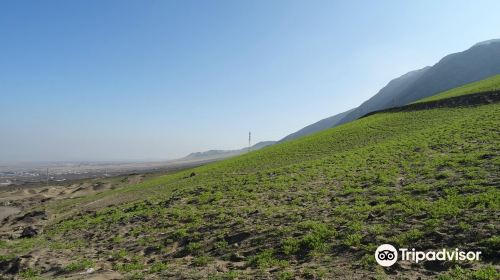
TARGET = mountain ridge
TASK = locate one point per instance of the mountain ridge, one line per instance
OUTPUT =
(410, 86)
(474, 64)
(317, 126)
(220, 154)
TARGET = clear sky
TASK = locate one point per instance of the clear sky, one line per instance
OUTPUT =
(152, 80)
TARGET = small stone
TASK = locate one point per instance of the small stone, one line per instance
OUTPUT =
(10, 266)
(221, 268)
(29, 232)
(236, 257)
(88, 270)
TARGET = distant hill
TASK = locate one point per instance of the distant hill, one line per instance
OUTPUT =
(479, 62)
(220, 154)
(317, 126)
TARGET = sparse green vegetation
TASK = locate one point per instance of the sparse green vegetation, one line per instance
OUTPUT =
(267, 259)
(285, 275)
(485, 273)
(128, 267)
(29, 274)
(490, 84)
(158, 267)
(201, 260)
(79, 265)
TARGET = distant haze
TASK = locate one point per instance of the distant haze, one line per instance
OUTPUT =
(154, 80)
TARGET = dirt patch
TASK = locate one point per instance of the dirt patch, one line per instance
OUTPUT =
(6, 211)
(474, 99)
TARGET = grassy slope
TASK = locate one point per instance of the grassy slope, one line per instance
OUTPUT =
(490, 84)
(312, 207)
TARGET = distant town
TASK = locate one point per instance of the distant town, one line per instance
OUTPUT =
(56, 172)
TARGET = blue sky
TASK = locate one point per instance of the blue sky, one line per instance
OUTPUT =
(152, 80)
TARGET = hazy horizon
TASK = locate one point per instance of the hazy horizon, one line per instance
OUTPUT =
(157, 80)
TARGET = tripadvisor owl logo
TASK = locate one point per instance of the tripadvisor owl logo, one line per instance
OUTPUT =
(387, 255)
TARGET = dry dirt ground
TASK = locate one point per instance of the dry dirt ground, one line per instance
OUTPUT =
(19, 210)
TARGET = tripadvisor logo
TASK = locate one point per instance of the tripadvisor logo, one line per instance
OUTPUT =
(387, 255)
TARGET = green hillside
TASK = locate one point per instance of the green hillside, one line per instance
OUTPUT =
(311, 208)
(490, 84)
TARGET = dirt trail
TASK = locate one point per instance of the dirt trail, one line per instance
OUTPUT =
(473, 99)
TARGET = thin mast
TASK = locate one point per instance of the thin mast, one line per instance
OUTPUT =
(249, 140)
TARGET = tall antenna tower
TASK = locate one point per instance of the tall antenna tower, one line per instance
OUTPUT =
(249, 140)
